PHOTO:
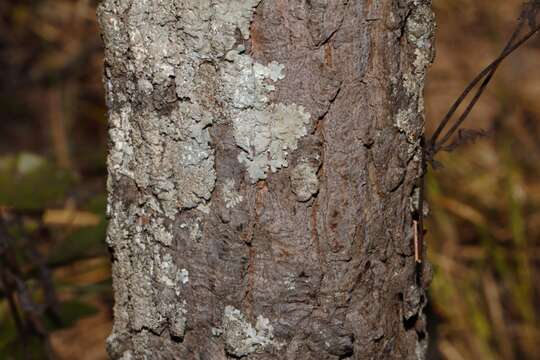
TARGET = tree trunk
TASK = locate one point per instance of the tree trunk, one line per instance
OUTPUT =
(263, 161)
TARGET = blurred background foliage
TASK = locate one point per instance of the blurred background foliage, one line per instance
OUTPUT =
(54, 265)
(483, 230)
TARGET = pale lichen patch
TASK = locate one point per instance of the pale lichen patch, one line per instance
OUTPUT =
(204, 207)
(160, 232)
(195, 232)
(241, 338)
(169, 156)
(405, 121)
(290, 282)
(230, 194)
(415, 200)
(267, 137)
(167, 270)
(304, 180)
(237, 13)
(266, 133)
(178, 321)
(216, 332)
(419, 30)
(184, 276)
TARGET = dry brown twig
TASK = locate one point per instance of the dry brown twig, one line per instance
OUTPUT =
(430, 147)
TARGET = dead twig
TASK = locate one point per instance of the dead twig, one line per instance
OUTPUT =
(430, 147)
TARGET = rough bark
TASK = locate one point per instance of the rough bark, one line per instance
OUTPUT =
(263, 160)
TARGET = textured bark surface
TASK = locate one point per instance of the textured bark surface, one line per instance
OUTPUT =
(262, 167)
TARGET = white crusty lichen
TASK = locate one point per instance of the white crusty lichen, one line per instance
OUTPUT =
(170, 156)
(166, 270)
(290, 282)
(241, 338)
(419, 30)
(195, 232)
(216, 332)
(231, 196)
(244, 80)
(178, 320)
(236, 12)
(415, 200)
(304, 180)
(405, 118)
(167, 155)
(184, 276)
(421, 349)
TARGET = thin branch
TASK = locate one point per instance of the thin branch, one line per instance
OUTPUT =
(472, 84)
(489, 71)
